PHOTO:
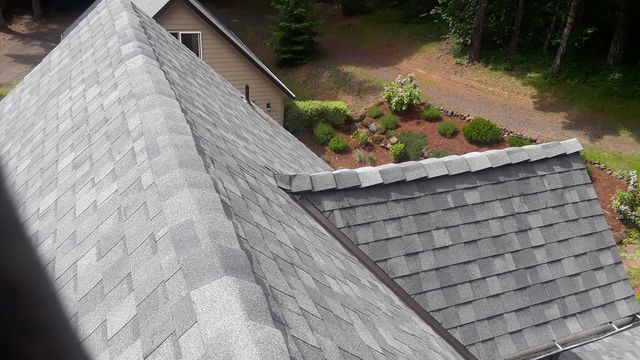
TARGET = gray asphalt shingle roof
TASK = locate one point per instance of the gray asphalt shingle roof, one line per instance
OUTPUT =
(622, 346)
(147, 185)
(508, 249)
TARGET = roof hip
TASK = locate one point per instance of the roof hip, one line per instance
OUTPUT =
(428, 168)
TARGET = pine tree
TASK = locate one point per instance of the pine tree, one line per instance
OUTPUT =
(480, 22)
(294, 36)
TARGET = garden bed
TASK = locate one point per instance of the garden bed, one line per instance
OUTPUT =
(605, 183)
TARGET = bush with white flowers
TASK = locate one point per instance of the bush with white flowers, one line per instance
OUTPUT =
(402, 93)
(627, 203)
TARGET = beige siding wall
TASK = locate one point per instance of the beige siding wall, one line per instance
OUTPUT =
(225, 59)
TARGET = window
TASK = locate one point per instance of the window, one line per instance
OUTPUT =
(191, 39)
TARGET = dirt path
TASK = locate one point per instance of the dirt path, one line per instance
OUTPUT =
(463, 88)
(26, 42)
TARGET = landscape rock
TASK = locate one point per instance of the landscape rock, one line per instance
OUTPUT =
(393, 140)
(373, 128)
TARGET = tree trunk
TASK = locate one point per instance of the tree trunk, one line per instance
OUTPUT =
(37, 9)
(565, 36)
(620, 35)
(3, 24)
(515, 35)
(552, 27)
(478, 30)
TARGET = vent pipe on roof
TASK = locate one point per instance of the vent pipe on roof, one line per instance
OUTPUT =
(246, 94)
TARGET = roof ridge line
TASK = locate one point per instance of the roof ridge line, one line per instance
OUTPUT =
(428, 168)
(191, 198)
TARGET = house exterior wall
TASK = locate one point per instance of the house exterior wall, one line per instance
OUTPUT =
(225, 59)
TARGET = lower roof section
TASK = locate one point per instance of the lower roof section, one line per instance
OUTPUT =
(507, 258)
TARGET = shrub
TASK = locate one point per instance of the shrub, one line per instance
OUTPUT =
(430, 114)
(322, 133)
(338, 144)
(356, 7)
(518, 141)
(294, 36)
(402, 93)
(360, 156)
(371, 160)
(413, 143)
(374, 112)
(627, 203)
(447, 129)
(388, 122)
(481, 131)
(361, 138)
(438, 153)
(300, 116)
(398, 153)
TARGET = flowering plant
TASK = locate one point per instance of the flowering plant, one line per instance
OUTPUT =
(627, 203)
(402, 93)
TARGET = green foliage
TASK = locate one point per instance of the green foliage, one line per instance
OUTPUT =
(356, 7)
(294, 35)
(634, 278)
(413, 143)
(447, 129)
(374, 112)
(633, 238)
(481, 131)
(438, 153)
(361, 137)
(361, 157)
(322, 133)
(338, 144)
(518, 141)
(430, 114)
(398, 153)
(303, 115)
(388, 122)
(627, 203)
(402, 93)
(4, 90)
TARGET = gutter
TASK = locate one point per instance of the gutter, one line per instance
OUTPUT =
(577, 340)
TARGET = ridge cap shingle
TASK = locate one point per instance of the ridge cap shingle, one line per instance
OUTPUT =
(428, 168)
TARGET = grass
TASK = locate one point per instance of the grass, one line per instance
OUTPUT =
(590, 86)
(389, 25)
(615, 161)
(4, 90)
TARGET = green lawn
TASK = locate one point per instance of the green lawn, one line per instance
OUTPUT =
(613, 160)
(589, 86)
(4, 90)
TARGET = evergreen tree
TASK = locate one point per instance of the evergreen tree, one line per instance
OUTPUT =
(294, 32)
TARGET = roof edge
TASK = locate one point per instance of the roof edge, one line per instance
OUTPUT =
(580, 339)
(428, 168)
(235, 42)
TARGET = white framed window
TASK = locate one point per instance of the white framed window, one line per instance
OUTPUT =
(191, 39)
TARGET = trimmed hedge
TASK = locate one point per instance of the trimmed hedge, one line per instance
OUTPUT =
(430, 114)
(322, 133)
(481, 131)
(414, 143)
(388, 122)
(447, 129)
(518, 141)
(338, 144)
(300, 116)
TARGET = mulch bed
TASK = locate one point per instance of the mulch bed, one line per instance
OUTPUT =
(605, 184)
